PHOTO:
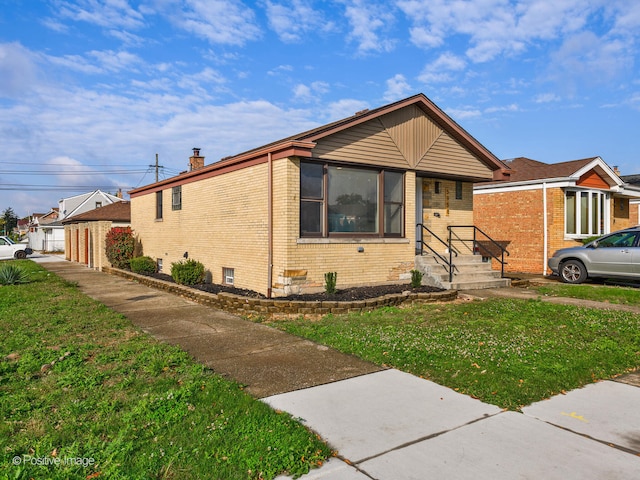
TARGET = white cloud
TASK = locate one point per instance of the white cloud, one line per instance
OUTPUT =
(439, 71)
(310, 93)
(367, 20)
(493, 27)
(463, 113)
(507, 108)
(107, 13)
(292, 20)
(18, 70)
(344, 108)
(546, 98)
(226, 22)
(587, 59)
(397, 88)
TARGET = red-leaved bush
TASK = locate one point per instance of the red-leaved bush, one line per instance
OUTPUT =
(119, 245)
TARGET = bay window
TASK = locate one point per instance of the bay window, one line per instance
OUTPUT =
(586, 213)
(350, 201)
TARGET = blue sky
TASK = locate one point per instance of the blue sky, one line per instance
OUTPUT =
(92, 90)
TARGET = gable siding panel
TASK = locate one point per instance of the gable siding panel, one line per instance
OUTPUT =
(368, 143)
(448, 157)
(412, 131)
(592, 180)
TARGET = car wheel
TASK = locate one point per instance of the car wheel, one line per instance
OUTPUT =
(21, 254)
(573, 271)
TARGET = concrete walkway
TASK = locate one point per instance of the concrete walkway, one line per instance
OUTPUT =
(265, 360)
(386, 424)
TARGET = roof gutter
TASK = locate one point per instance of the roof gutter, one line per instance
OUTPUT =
(281, 150)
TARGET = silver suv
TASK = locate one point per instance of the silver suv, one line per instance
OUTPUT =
(616, 255)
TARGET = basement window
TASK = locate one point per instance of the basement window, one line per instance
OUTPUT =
(227, 275)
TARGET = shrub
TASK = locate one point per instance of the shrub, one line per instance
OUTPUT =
(119, 246)
(416, 278)
(11, 274)
(189, 272)
(143, 265)
(330, 279)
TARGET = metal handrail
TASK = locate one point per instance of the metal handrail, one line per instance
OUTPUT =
(477, 246)
(449, 263)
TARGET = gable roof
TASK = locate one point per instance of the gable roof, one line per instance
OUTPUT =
(76, 204)
(302, 144)
(527, 171)
(115, 212)
(631, 179)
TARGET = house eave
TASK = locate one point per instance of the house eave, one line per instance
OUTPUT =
(278, 151)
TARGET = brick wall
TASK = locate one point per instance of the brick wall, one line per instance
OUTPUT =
(515, 220)
(223, 223)
(97, 257)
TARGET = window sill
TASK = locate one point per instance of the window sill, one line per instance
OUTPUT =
(158, 220)
(334, 240)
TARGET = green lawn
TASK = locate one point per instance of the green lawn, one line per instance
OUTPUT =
(598, 293)
(506, 352)
(83, 388)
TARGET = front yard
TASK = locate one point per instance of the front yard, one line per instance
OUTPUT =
(84, 394)
(506, 352)
(78, 381)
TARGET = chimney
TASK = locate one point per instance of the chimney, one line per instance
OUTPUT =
(616, 170)
(119, 194)
(196, 161)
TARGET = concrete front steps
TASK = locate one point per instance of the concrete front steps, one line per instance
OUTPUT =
(470, 273)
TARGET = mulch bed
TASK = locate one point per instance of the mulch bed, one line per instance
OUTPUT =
(343, 295)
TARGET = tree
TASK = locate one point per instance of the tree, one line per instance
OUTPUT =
(9, 220)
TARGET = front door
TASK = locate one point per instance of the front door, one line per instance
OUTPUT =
(435, 212)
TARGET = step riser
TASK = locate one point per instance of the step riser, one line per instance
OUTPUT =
(470, 273)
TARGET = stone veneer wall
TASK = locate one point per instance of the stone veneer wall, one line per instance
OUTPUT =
(274, 308)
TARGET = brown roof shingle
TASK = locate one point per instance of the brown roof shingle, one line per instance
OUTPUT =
(523, 169)
(115, 212)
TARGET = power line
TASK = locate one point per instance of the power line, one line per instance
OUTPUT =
(106, 172)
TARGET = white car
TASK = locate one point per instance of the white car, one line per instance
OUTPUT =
(11, 249)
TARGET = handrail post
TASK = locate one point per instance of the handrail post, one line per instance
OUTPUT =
(450, 257)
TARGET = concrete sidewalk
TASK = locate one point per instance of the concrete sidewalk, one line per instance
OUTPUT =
(391, 425)
(386, 424)
(265, 360)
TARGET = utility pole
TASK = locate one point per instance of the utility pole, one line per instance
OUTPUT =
(158, 167)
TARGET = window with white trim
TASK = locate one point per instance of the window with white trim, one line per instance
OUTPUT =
(586, 213)
(227, 275)
(176, 198)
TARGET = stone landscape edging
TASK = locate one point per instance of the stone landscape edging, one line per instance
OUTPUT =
(273, 307)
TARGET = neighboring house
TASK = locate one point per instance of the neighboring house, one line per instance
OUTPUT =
(85, 202)
(78, 204)
(46, 233)
(634, 205)
(86, 233)
(344, 197)
(544, 207)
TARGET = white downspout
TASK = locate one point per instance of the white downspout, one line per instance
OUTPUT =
(544, 228)
(269, 227)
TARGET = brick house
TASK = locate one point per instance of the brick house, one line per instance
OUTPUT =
(344, 197)
(85, 233)
(634, 204)
(544, 207)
